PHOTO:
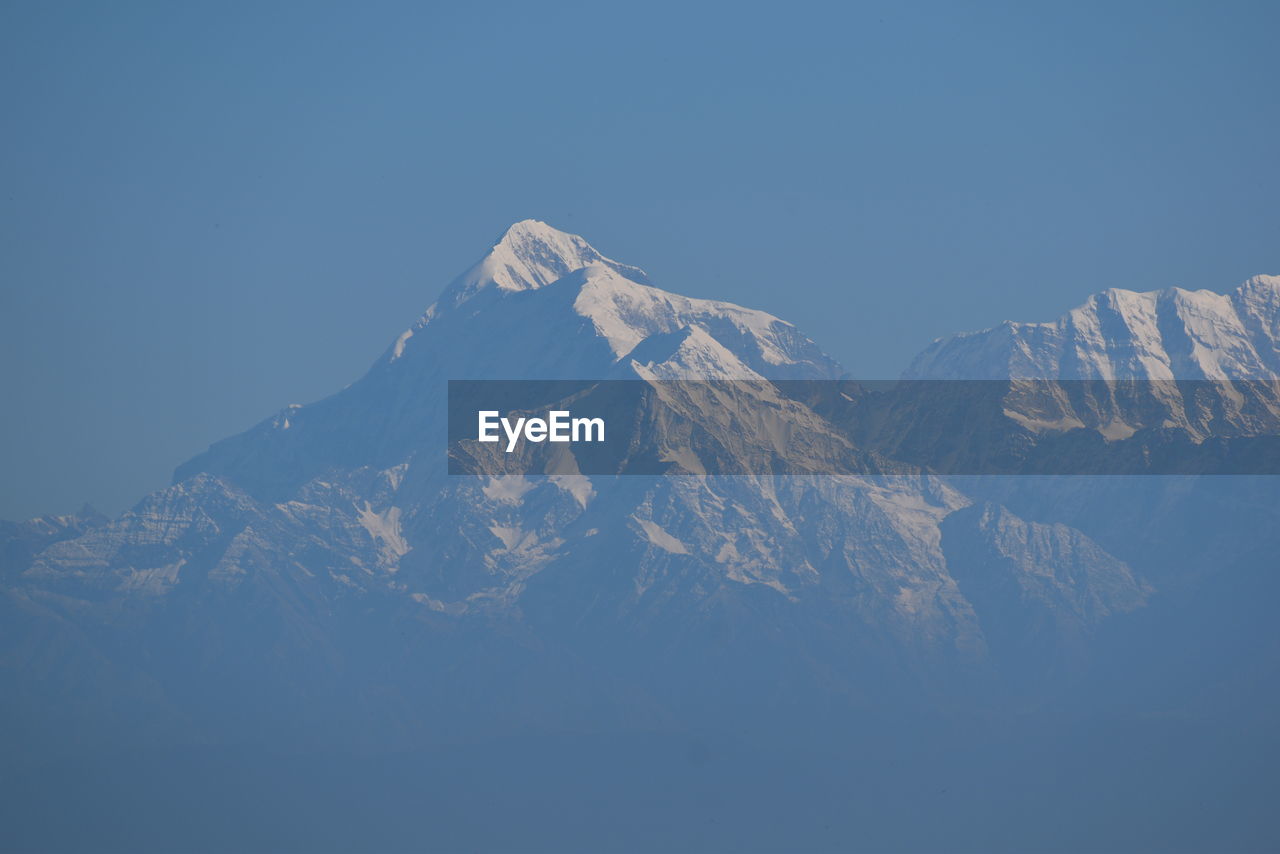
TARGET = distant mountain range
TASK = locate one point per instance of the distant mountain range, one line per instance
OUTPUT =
(322, 577)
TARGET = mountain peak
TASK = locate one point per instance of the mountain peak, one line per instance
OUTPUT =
(1123, 334)
(526, 229)
(531, 254)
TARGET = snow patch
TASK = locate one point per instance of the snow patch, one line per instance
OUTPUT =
(507, 489)
(397, 349)
(660, 538)
(384, 527)
(577, 485)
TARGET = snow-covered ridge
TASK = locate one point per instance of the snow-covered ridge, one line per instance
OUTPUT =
(1123, 334)
(626, 313)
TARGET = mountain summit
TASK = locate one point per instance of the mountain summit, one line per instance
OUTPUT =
(531, 254)
(554, 307)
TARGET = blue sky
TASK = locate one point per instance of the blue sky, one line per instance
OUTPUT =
(209, 211)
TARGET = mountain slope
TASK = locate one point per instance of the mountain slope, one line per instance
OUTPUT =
(1196, 368)
(514, 326)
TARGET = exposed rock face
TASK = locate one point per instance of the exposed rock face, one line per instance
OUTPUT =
(1038, 589)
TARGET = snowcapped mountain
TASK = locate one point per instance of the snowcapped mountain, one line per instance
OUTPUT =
(320, 585)
(328, 550)
(1197, 375)
(1172, 334)
(504, 319)
(1192, 363)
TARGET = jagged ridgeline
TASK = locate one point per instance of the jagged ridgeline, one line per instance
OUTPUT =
(322, 578)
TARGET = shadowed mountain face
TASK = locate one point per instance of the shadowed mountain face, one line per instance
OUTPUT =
(321, 580)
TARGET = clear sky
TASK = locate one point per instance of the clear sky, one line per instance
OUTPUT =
(210, 211)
